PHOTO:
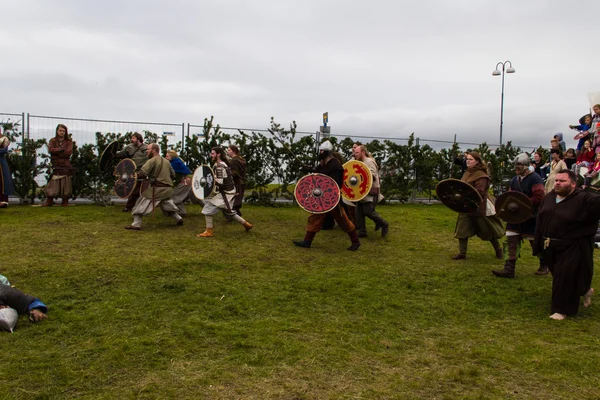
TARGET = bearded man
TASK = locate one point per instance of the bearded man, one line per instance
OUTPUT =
(567, 222)
(136, 151)
(224, 197)
(159, 172)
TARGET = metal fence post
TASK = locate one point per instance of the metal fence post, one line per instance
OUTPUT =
(27, 126)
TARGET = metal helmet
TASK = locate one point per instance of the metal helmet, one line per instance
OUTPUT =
(522, 159)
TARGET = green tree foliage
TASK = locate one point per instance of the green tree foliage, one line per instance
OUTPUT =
(275, 160)
(23, 160)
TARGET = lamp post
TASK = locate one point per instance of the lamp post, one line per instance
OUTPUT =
(509, 70)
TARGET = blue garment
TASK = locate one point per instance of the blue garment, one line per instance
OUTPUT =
(582, 128)
(6, 183)
(37, 304)
(179, 167)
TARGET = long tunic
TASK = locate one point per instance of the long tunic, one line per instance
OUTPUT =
(6, 183)
(160, 172)
(238, 172)
(225, 190)
(476, 223)
(60, 184)
(571, 225)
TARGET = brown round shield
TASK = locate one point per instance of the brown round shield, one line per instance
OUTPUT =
(357, 180)
(106, 159)
(514, 207)
(317, 193)
(458, 196)
(126, 178)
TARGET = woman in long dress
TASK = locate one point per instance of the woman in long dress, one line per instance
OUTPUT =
(487, 228)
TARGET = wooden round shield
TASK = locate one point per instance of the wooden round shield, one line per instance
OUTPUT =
(357, 180)
(126, 178)
(106, 159)
(458, 196)
(317, 193)
(514, 207)
(203, 182)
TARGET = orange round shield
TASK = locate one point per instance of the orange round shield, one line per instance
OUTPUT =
(357, 180)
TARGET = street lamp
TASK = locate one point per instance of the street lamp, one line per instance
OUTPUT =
(509, 70)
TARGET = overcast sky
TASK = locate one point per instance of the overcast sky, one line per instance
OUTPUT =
(381, 68)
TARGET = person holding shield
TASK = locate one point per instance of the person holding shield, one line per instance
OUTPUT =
(366, 206)
(223, 199)
(330, 166)
(159, 172)
(531, 185)
(137, 151)
(487, 228)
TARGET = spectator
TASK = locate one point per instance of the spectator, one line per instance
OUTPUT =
(557, 164)
(538, 164)
(586, 157)
(585, 123)
(561, 142)
(592, 172)
(570, 158)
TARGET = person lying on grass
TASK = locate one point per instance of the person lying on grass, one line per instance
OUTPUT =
(22, 303)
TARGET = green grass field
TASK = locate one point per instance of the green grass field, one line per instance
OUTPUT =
(161, 314)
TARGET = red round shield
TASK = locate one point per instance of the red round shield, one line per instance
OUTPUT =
(317, 193)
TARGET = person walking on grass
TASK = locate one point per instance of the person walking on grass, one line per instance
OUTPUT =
(487, 228)
(531, 185)
(366, 206)
(223, 199)
(566, 226)
(330, 166)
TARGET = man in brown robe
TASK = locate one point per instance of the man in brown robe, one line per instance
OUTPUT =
(566, 225)
(238, 173)
(159, 172)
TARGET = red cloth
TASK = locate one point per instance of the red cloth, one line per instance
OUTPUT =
(586, 156)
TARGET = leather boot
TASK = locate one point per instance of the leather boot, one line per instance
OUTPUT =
(542, 270)
(207, 233)
(247, 225)
(65, 203)
(48, 203)
(508, 271)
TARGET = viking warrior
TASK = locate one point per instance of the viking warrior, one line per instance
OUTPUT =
(238, 172)
(6, 183)
(136, 150)
(224, 197)
(566, 225)
(183, 180)
(330, 166)
(158, 171)
(530, 184)
(366, 206)
(488, 228)
(60, 184)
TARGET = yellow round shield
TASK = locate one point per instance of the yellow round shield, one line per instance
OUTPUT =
(357, 180)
